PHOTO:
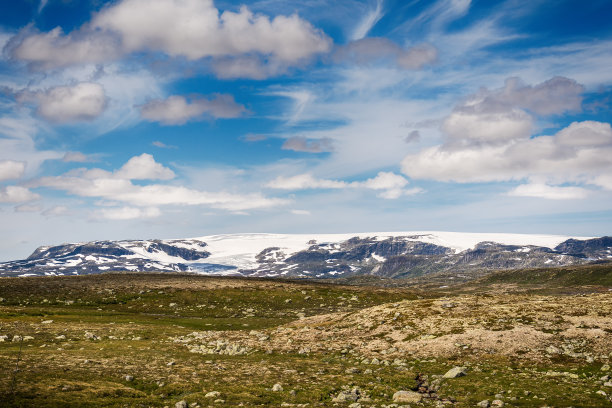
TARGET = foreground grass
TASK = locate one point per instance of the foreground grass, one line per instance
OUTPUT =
(123, 340)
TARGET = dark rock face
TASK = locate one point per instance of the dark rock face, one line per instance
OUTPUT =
(185, 253)
(92, 248)
(590, 248)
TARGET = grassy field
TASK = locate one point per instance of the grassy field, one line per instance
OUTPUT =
(153, 340)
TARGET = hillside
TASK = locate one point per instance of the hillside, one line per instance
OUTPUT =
(179, 340)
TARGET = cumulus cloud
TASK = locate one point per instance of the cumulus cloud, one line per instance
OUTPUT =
(489, 138)
(117, 187)
(538, 190)
(144, 167)
(55, 49)
(370, 50)
(82, 102)
(302, 144)
(199, 30)
(11, 169)
(17, 194)
(177, 110)
(500, 116)
(389, 185)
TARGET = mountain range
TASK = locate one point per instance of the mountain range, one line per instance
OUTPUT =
(386, 254)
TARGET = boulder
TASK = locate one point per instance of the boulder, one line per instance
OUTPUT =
(455, 372)
(407, 396)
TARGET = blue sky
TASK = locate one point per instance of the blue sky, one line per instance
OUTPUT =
(176, 118)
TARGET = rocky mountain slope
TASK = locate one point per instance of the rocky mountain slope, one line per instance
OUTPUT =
(400, 254)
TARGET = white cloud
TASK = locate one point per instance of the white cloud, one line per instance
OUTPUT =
(55, 49)
(117, 187)
(390, 185)
(489, 137)
(199, 30)
(177, 110)
(11, 169)
(303, 182)
(16, 194)
(300, 212)
(144, 167)
(82, 102)
(128, 213)
(368, 21)
(586, 134)
(538, 190)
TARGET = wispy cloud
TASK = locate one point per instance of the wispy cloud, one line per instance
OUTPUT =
(369, 20)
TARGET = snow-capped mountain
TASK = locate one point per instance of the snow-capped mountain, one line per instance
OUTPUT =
(389, 254)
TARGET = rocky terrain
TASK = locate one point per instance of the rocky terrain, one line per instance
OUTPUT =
(520, 338)
(392, 255)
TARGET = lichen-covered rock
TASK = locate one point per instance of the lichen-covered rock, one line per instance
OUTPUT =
(407, 396)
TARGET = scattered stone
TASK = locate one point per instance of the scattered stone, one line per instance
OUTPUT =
(212, 394)
(181, 404)
(277, 387)
(455, 372)
(3, 338)
(605, 367)
(355, 405)
(348, 395)
(407, 396)
(170, 364)
(129, 378)
(608, 384)
(46, 322)
(497, 403)
(91, 336)
(483, 404)
(562, 374)
(22, 338)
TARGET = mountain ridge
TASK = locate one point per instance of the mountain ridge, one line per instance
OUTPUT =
(388, 254)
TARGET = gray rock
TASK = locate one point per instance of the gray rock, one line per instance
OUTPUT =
(129, 378)
(483, 404)
(277, 387)
(497, 403)
(181, 404)
(407, 396)
(455, 372)
(212, 394)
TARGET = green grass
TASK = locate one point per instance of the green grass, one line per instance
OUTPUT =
(138, 316)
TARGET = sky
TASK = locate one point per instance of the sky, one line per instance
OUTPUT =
(139, 119)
